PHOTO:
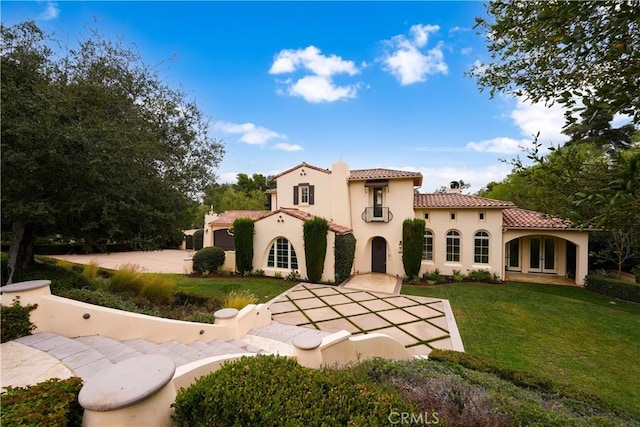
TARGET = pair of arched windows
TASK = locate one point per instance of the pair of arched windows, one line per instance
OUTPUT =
(453, 246)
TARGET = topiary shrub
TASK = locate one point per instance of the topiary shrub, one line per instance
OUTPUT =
(16, 321)
(613, 287)
(276, 390)
(344, 253)
(49, 403)
(198, 240)
(208, 259)
(315, 247)
(243, 231)
(413, 231)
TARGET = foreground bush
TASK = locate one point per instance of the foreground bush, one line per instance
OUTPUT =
(158, 289)
(16, 321)
(128, 278)
(613, 287)
(275, 390)
(208, 259)
(239, 299)
(50, 403)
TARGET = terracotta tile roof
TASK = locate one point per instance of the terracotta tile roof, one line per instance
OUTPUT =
(302, 215)
(365, 174)
(302, 165)
(227, 217)
(522, 218)
(456, 200)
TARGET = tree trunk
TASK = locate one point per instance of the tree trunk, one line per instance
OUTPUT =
(21, 249)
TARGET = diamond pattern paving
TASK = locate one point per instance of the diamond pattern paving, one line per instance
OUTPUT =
(419, 323)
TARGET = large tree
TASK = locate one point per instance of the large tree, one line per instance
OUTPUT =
(95, 146)
(563, 51)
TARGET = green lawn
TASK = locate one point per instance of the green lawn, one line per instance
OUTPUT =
(264, 288)
(571, 335)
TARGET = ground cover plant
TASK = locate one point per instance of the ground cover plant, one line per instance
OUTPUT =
(564, 333)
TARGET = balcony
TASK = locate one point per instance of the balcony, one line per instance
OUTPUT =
(377, 214)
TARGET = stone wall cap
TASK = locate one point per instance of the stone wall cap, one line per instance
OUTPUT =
(307, 341)
(25, 286)
(226, 313)
(127, 382)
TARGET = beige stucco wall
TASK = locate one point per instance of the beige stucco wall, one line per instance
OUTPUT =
(306, 175)
(398, 197)
(467, 223)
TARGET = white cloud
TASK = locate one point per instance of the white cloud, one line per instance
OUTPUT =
(311, 59)
(229, 177)
(285, 146)
(499, 145)
(534, 118)
(406, 59)
(316, 89)
(621, 120)
(317, 84)
(250, 133)
(466, 50)
(51, 11)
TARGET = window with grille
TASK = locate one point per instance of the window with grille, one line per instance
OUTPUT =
(453, 246)
(481, 248)
(282, 255)
(427, 252)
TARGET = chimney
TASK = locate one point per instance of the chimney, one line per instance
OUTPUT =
(454, 187)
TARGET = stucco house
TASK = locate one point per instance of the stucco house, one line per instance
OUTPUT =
(463, 232)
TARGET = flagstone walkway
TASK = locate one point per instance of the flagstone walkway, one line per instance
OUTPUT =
(419, 323)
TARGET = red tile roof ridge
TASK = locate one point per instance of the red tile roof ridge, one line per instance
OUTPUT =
(457, 200)
(302, 165)
(523, 218)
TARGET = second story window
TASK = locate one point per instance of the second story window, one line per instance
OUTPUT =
(303, 194)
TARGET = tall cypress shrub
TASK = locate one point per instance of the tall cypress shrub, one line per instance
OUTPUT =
(243, 231)
(315, 247)
(344, 254)
(412, 244)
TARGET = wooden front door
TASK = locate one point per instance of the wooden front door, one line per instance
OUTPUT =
(379, 255)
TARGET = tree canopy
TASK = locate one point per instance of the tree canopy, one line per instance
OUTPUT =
(248, 193)
(563, 51)
(95, 147)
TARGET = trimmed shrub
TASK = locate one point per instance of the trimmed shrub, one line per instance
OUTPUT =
(49, 403)
(198, 239)
(276, 390)
(127, 278)
(413, 230)
(484, 276)
(238, 299)
(243, 231)
(158, 289)
(613, 287)
(315, 247)
(16, 321)
(344, 253)
(208, 259)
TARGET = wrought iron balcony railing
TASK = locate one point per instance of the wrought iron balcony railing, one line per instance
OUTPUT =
(377, 214)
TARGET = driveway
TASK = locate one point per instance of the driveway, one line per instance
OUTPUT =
(164, 261)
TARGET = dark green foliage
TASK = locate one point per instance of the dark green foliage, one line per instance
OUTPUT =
(198, 240)
(208, 259)
(60, 278)
(16, 322)
(412, 245)
(613, 287)
(50, 403)
(243, 231)
(484, 276)
(344, 253)
(275, 390)
(315, 247)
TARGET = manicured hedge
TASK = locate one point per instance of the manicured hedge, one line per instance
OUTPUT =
(208, 259)
(276, 390)
(243, 231)
(198, 239)
(613, 287)
(344, 254)
(50, 403)
(412, 245)
(315, 247)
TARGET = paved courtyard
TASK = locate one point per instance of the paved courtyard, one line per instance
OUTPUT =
(419, 323)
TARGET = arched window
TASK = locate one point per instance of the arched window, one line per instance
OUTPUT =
(453, 246)
(427, 251)
(282, 255)
(481, 248)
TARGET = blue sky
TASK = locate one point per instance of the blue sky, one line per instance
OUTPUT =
(378, 84)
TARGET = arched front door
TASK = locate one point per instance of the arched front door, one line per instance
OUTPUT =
(379, 255)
